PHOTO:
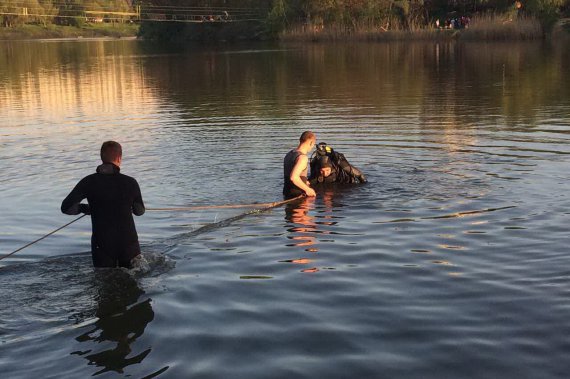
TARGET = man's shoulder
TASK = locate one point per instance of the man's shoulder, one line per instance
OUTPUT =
(88, 178)
(302, 157)
(290, 152)
(128, 178)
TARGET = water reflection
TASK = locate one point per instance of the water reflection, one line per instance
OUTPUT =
(453, 85)
(121, 320)
(303, 227)
(303, 230)
(54, 83)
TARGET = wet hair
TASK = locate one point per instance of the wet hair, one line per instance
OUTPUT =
(325, 161)
(307, 136)
(111, 151)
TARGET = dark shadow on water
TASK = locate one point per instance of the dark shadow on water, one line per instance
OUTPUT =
(122, 319)
(52, 300)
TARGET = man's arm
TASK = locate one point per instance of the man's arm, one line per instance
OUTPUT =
(138, 205)
(71, 204)
(352, 171)
(300, 166)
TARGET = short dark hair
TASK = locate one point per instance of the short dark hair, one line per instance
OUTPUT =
(111, 151)
(306, 136)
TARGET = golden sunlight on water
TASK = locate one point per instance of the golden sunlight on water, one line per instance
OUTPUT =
(54, 92)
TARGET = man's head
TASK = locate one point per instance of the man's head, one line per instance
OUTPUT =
(111, 152)
(325, 166)
(307, 141)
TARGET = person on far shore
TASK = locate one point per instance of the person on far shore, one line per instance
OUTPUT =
(295, 168)
(112, 199)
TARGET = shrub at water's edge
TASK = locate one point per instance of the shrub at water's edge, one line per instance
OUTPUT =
(495, 27)
(487, 27)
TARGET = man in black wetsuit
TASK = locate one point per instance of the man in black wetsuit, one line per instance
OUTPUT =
(112, 199)
(329, 166)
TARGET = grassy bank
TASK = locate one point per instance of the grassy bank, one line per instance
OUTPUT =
(54, 31)
(337, 33)
(495, 27)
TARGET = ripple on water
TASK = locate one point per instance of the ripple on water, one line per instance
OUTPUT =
(450, 262)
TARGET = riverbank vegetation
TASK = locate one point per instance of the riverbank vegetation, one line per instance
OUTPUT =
(31, 19)
(416, 19)
(489, 27)
(302, 20)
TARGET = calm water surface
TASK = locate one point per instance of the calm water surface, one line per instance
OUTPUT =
(452, 262)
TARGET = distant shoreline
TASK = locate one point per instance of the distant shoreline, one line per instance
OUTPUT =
(54, 32)
(131, 31)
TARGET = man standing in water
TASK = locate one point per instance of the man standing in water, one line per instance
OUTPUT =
(112, 199)
(295, 167)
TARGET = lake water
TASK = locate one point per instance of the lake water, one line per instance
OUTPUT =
(452, 262)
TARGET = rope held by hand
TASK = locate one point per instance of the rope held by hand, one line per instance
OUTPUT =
(261, 205)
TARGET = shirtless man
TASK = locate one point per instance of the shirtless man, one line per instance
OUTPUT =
(295, 168)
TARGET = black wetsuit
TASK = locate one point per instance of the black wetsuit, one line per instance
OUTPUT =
(113, 198)
(289, 189)
(341, 170)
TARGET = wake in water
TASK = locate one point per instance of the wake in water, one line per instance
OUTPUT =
(40, 298)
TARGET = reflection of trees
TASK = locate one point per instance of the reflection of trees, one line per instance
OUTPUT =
(121, 320)
(452, 80)
(454, 84)
(52, 80)
(21, 59)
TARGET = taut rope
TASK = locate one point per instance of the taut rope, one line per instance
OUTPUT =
(228, 206)
(255, 205)
(41, 238)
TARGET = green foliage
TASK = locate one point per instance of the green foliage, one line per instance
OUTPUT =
(62, 12)
(345, 16)
(277, 18)
(547, 11)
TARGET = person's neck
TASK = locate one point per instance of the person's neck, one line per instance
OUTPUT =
(303, 148)
(115, 163)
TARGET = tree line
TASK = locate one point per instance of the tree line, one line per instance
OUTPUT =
(407, 14)
(279, 15)
(62, 12)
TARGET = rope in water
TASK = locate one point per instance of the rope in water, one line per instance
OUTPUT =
(228, 206)
(262, 205)
(41, 238)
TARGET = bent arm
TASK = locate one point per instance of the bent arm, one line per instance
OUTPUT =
(138, 204)
(352, 171)
(71, 204)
